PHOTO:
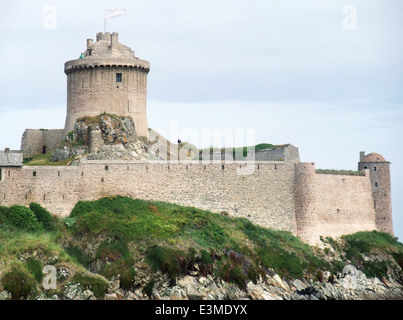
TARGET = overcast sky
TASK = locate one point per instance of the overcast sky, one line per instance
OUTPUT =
(325, 76)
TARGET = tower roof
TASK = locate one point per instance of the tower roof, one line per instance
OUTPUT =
(373, 157)
(106, 51)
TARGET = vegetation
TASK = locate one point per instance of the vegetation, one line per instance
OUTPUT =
(45, 160)
(241, 150)
(362, 244)
(341, 172)
(115, 237)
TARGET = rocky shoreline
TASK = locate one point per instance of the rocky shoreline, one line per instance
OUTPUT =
(352, 284)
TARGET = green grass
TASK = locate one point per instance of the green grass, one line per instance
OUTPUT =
(46, 160)
(362, 244)
(341, 172)
(127, 234)
(157, 222)
(243, 150)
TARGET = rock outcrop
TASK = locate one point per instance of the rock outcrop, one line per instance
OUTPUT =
(106, 137)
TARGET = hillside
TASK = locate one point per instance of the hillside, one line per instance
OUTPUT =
(120, 248)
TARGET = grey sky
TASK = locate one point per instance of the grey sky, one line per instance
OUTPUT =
(287, 69)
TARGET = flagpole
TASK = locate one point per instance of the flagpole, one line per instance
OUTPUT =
(105, 22)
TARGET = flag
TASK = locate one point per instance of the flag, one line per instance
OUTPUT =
(114, 13)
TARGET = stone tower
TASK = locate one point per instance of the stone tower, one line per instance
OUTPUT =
(379, 170)
(107, 78)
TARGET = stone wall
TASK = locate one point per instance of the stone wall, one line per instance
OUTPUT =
(270, 194)
(270, 200)
(35, 140)
(287, 153)
(92, 91)
(332, 204)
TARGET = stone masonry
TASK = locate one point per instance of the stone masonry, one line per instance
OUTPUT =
(274, 190)
(107, 78)
(291, 197)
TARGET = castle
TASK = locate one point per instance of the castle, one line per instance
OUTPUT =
(273, 188)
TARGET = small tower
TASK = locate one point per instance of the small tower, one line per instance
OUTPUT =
(107, 78)
(379, 170)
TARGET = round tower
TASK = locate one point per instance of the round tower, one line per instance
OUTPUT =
(305, 195)
(107, 78)
(379, 170)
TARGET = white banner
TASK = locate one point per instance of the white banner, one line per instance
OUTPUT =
(114, 13)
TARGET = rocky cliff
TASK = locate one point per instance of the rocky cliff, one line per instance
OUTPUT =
(119, 248)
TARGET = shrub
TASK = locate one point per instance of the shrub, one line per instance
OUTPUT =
(148, 289)
(165, 260)
(35, 268)
(231, 272)
(19, 283)
(77, 254)
(3, 214)
(42, 215)
(122, 268)
(96, 285)
(23, 218)
(112, 251)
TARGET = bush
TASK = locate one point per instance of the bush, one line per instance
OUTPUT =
(231, 272)
(35, 268)
(23, 218)
(3, 214)
(96, 285)
(42, 215)
(77, 254)
(19, 283)
(112, 250)
(165, 260)
(148, 289)
(122, 268)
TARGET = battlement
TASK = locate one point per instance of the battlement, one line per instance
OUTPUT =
(107, 51)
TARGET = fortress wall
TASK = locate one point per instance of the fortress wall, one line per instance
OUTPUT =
(52, 138)
(344, 204)
(33, 140)
(283, 197)
(332, 205)
(56, 188)
(265, 197)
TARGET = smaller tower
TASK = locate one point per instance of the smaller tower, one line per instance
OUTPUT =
(379, 170)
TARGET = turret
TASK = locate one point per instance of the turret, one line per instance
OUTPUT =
(379, 170)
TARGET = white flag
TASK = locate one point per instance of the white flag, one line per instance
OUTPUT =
(115, 13)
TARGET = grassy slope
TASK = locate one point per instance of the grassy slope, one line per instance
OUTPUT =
(129, 235)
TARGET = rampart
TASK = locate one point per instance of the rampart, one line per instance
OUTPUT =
(272, 194)
(38, 141)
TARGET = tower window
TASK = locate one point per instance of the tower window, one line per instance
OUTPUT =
(376, 184)
(118, 77)
(375, 169)
(0, 174)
